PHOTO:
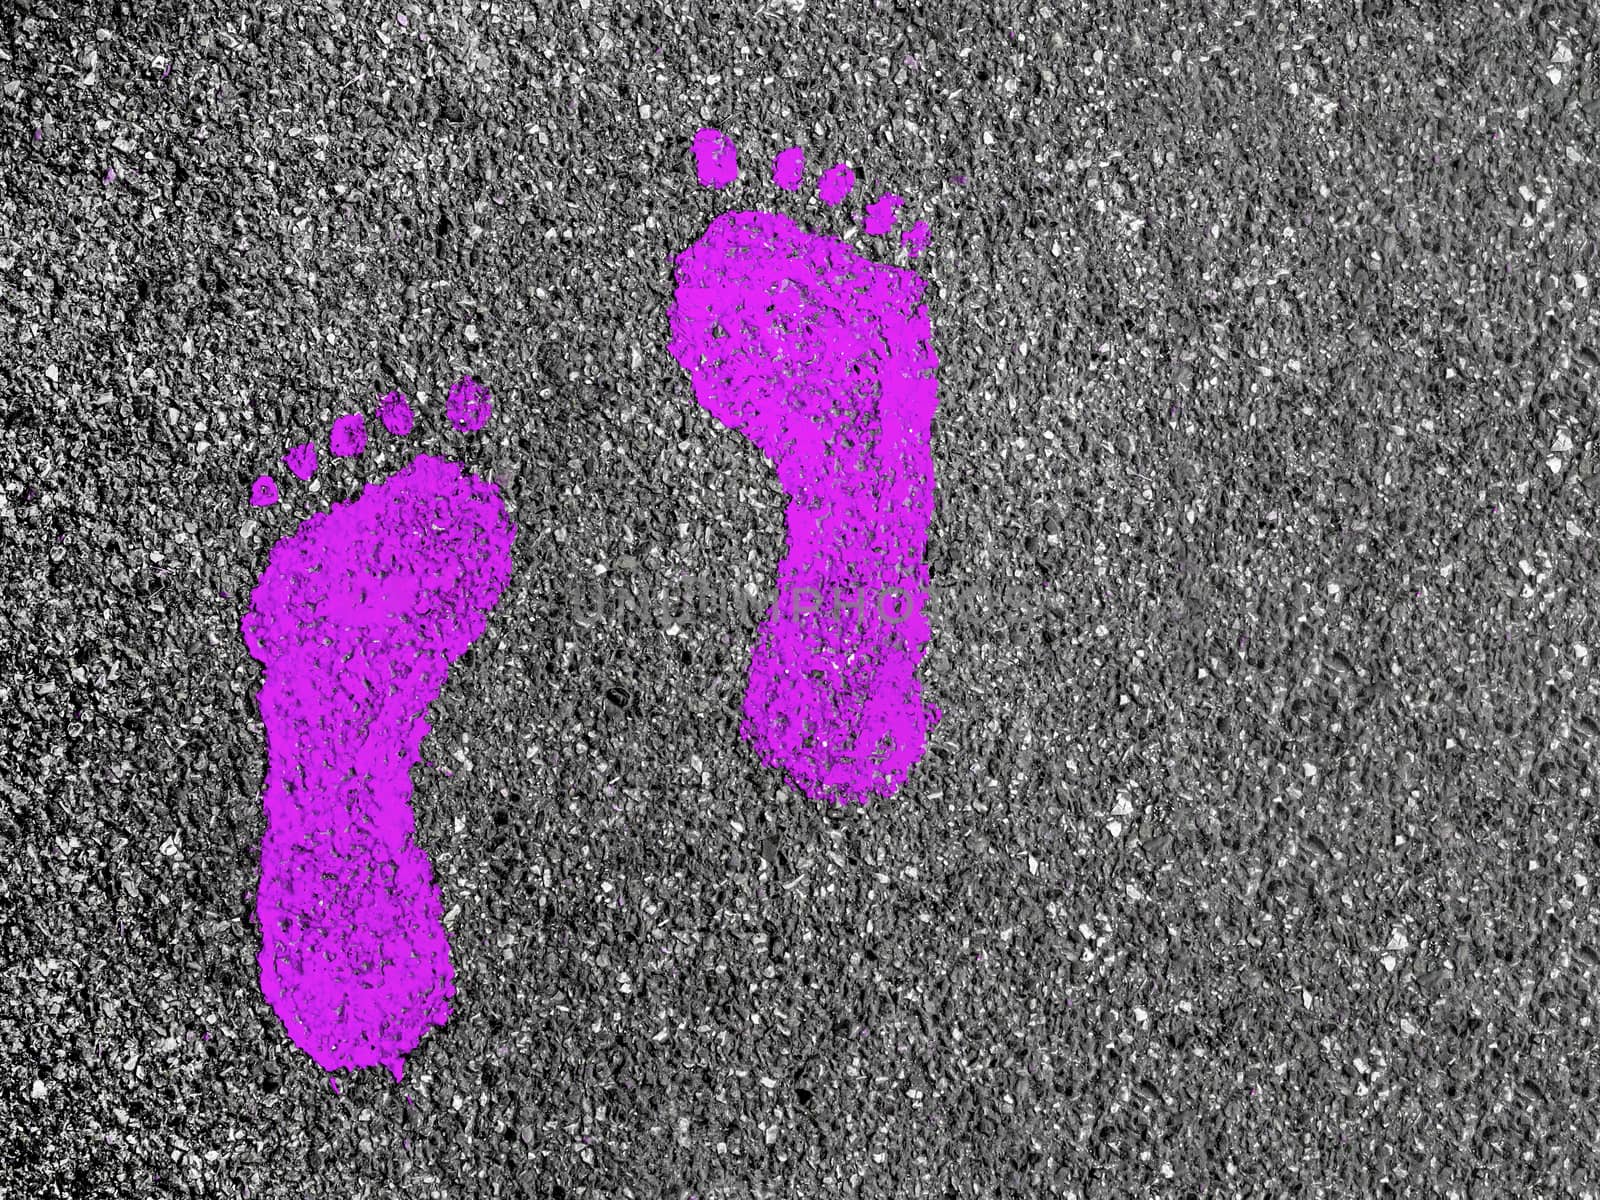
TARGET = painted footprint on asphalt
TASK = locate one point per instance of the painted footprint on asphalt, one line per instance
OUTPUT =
(824, 360)
(356, 619)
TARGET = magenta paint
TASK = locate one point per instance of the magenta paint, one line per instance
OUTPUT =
(264, 491)
(349, 436)
(835, 184)
(302, 460)
(394, 413)
(356, 619)
(716, 159)
(881, 213)
(824, 359)
(915, 239)
(469, 404)
(789, 168)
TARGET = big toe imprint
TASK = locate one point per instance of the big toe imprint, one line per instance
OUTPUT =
(824, 360)
(356, 619)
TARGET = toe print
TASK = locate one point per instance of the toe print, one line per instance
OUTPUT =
(302, 461)
(394, 412)
(915, 239)
(349, 437)
(716, 159)
(835, 184)
(789, 168)
(880, 214)
(823, 358)
(355, 620)
(468, 405)
(264, 491)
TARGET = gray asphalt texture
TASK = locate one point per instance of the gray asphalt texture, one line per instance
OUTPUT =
(1255, 854)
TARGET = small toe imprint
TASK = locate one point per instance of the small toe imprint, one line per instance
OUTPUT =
(349, 436)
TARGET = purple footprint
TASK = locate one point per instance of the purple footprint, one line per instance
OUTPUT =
(356, 619)
(824, 359)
